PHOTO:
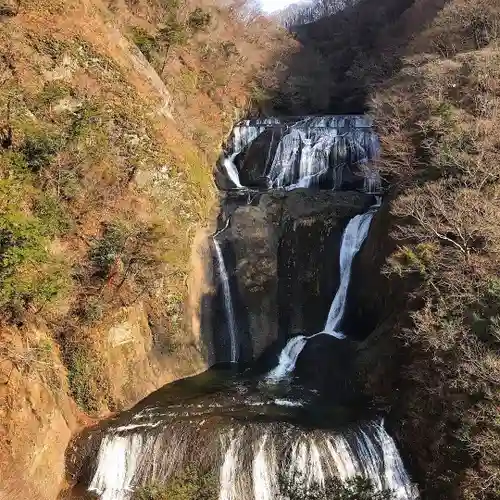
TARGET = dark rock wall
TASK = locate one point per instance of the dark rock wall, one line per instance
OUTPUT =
(282, 254)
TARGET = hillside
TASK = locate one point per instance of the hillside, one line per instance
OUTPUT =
(112, 114)
(439, 121)
(427, 70)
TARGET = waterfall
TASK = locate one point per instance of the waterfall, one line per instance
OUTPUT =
(265, 470)
(116, 466)
(229, 469)
(228, 301)
(310, 150)
(242, 136)
(260, 440)
(287, 359)
(256, 459)
(354, 235)
(232, 171)
(352, 240)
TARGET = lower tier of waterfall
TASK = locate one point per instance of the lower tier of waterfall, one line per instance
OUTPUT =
(252, 439)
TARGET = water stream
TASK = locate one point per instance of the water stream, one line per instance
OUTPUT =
(352, 240)
(228, 301)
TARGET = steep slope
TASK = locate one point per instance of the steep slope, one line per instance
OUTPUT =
(439, 121)
(106, 164)
(427, 70)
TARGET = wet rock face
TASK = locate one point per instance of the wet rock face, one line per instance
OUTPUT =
(282, 257)
(372, 296)
(255, 161)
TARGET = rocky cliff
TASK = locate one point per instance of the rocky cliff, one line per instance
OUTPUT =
(108, 128)
(281, 284)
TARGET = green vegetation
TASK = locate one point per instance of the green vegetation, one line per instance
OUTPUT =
(108, 249)
(191, 484)
(173, 33)
(39, 150)
(88, 385)
(127, 252)
(357, 488)
(54, 219)
(146, 43)
(194, 485)
(199, 20)
(28, 273)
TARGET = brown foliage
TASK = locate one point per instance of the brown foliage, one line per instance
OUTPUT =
(438, 120)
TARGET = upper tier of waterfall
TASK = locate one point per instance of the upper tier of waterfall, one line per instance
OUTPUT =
(330, 152)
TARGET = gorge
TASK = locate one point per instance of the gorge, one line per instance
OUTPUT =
(272, 414)
(286, 321)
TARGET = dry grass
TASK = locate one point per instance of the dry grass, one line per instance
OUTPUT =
(71, 74)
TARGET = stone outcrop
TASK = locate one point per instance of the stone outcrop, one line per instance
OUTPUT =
(282, 255)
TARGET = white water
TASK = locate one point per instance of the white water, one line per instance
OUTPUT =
(310, 459)
(243, 135)
(228, 302)
(309, 149)
(252, 460)
(287, 359)
(232, 171)
(230, 468)
(116, 466)
(354, 235)
(352, 240)
(265, 470)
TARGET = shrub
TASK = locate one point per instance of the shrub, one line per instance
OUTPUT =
(130, 254)
(145, 42)
(88, 385)
(27, 273)
(39, 150)
(190, 484)
(108, 249)
(465, 25)
(173, 33)
(85, 119)
(52, 92)
(53, 215)
(171, 6)
(91, 311)
(229, 49)
(199, 20)
(357, 488)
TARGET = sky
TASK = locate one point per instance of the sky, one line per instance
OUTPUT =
(272, 5)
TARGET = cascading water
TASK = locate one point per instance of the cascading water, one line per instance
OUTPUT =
(260, 439)
(352, 240)
(310, 151)
(255, 459)
(354, 236)
(288, 358)
(228, 301)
